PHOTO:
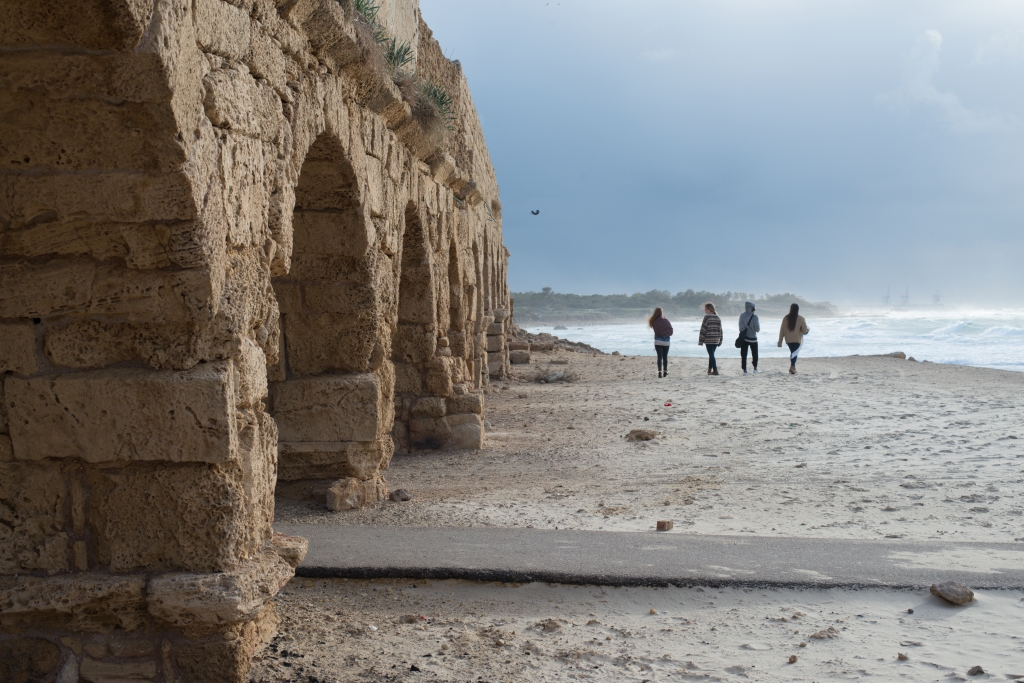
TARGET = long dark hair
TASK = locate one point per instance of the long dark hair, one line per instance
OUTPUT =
(794, 311)
(658, 313)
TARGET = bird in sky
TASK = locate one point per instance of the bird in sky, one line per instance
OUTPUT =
(537, 212)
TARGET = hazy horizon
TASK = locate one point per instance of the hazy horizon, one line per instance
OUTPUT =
(833, 150)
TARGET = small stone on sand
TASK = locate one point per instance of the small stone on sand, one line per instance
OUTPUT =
(952, 592)
(792, 659)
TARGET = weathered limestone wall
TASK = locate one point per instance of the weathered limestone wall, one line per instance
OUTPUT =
(229, 253)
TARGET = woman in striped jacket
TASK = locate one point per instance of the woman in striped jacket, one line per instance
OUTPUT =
(711, 335)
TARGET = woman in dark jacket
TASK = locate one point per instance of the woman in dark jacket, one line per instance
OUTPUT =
(662, 336)
(711, 335)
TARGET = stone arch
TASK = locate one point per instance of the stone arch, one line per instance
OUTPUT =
(330, 392)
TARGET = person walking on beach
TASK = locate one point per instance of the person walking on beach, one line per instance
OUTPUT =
(793, 329)
(749, 327)
(711, 335)
(662, 336)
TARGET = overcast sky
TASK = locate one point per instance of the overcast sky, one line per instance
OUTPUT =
(832, 149)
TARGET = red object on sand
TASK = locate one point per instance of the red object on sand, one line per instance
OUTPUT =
(668, 405)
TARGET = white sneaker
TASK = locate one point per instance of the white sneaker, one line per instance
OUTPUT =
(756, 371)
(745, 373)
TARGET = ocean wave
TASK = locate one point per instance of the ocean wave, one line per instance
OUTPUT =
(1004, 331)
(959, 326)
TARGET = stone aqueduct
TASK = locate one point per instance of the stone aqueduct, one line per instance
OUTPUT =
(231, 253)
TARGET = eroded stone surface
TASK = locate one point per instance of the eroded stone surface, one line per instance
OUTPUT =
(221, 227)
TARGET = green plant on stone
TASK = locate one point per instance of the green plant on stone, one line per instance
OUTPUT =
(398, 54)
(368, 11)
(439, 99)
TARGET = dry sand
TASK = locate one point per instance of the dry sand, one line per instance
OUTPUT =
(850, 448)
(337, 630)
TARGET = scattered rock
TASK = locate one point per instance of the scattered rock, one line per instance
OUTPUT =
(792, 659)
(975, 671)
(641, 435)
(803, 464)
(952, 592)
(910, 611)
(408, 619)
(549, 625)
(830, 632)
(615, 353)
(653, 611)
(559, 361)
(519, 357)
(902, 656)
(400, 495)
(553, 377)
(664, 525)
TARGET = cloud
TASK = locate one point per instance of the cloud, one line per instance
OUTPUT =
(918, 90)
(1008, 46)
(657, 55)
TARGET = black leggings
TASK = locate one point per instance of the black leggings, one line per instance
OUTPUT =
(712, 363)
(662, 352)
(743, 354)
(793, 346)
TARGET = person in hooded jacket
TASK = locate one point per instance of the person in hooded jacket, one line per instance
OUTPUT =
(749, 327)
(662, 337)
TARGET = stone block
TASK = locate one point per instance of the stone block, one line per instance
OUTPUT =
(334, 230)
(221, 28)
(438, 378)
(26, 660)
(482, 324)
(496, 368)
(6, 451)
(128, 197)
(29, 290)
(500, 315)
(331, 459)
(408, 379)
(86, 134)
(496, 329)
(467, 403)
(18, 348)
(467, 431)
(495, 343)
(175, 517)
(32, 502)
(237, 101)
(96, 671)
(291, 549)
(227, 658)
(330, 342)
(125, 414)
(220, 598)
(433, 406)
(84, 602)
(329, 408)
(266, 60)
(117, 25)
(413, 343)
(519, 357)
(428, 432)
(352, 494)
(518, 346)
(250, 374)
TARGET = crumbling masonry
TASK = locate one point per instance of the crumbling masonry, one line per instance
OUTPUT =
(232, 251)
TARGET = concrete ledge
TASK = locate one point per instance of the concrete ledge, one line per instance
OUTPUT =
(649, 558)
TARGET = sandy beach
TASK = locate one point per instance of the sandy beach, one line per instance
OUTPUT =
(849, 448)
(855, 448)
